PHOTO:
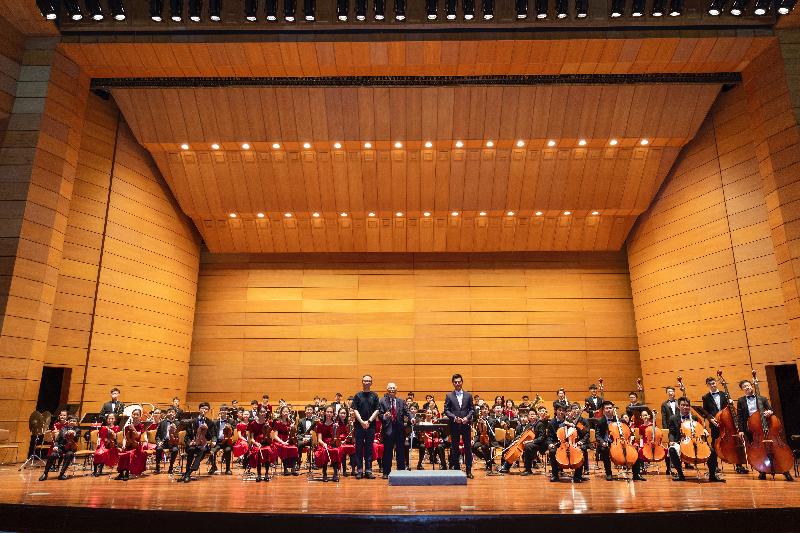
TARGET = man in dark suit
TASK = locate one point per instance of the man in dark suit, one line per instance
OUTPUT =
(163, 443)
(669, 408)
(114, 406)
(220, 443)
(746, 406)
(675, 437)
(459, 410)
(603, 438)
(196, 450)
(593, 401)
(715, 401)
(393, 413)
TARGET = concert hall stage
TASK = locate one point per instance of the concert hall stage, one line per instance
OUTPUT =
(229, 504)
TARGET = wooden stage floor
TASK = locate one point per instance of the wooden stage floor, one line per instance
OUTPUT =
(509, 496)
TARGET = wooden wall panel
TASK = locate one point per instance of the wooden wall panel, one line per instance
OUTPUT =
(704, 274)
(299, 325)
(11, 49)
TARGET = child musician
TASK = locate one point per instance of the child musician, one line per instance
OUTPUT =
(326, 452)
(107, 452)
(134, 459)
(65, 444)
(287, 452)
(167, 440)
(261, 453)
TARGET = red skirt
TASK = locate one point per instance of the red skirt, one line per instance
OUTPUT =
(264, 455)
(284, 451)
(346, 450)
(321, 456)
(377, 450)
(134, 461)
(240, 448)
(106, 456)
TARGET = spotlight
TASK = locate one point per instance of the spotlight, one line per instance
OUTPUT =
(400, 9)
(47, 9)
(658, 8)
(617, 8)
(581, 9)
(195, 10)
(715, 7)
(637, 9)
(562, 9)
(488, 9)
(342, 8)
(361, 9)
(73, 9)
(289, 7)
(541, 9)
(251, 10)
(785, 6)
(310, 9)
(176, 10)
(156, 7)
(761, 7)
(469, 9)
(675, 8)
(737, 7)
(117, 9)
(95, 9)
(522, 9)
(431, 8)
(380, 9)
(450, 9)
(272, 10)
(215, 10)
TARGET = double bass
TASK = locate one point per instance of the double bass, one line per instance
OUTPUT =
(730, 446)
(622, 452)
(768, 452)
(694, 443)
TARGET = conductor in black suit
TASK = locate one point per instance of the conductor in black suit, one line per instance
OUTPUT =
(459, 411)
(114, 406)
(393, 413)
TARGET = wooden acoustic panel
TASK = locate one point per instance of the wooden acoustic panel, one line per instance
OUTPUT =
(299, 325)
(704, 275)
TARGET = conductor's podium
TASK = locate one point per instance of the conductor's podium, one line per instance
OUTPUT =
(405, 478)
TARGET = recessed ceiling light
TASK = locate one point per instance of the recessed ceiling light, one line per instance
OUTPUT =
(184, 146)
(459, 144)
(306, 145)
(428, 144)
(613, 142)
(539, 213)
(260, 215)
(644, 142)
(276, 146)
(315, 214)
(551, 143)
(232, 215)
(398, 144)
(426, 214)
(567, 213)
(398, 214)
(245, 146)
(287, 215)
(337, 145)
(215, 146)
(370, 214)
(582, 142)
(595, 213)
(489, 144)
(454, 214)
(367, 145)
(342, 214)
(520, 143)
(482, 213)
(510, 213)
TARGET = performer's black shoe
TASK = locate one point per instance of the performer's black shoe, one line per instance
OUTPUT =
(553, 479)
(762, 476)
(369, 475)
(639, 478)
(716, 479)
(788, 476)
(526, 473)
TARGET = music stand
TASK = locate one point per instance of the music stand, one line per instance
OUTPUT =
(91, 418)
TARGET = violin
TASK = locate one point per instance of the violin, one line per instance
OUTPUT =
(71, 440)
(568, 453)
(132, 437)
(335, 433)
(767, 452)
(730, 447)
(200, 439)
(484, 432)
(227, 435)
(111, 438)
(293, 431)
(621, 450)
(653, 449)
(694, 443)
(172, 434)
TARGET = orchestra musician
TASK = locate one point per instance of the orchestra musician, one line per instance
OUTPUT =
(304, 427)
(59, 423)
(254, 409)
(199, 433)
(240, 446)
(393, 413)
(483, 449)
(365, 404)
(669, 408)
(430, 442)
(633, 402)
(133, 460)
(592, 402)
(337, 402)
(176, 404)
(166, 440)
(222, 435)
(715, 401)
(345, 437)
(65, 444)
(430, 403)
(459, 410)
(561, 399)
(327, 452)
(604, 441)
(675, 437)
(106, 452)
(746, 406)
(560, 420)
(582, 425)
(510, 410)
(525, 404)
(114, 406)
(523, 425)
(260, 452)
(288, 453)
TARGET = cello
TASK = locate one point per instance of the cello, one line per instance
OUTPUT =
(694, 444)
(653, 450)
(514, 451)
(568, 454)
(767, 452)
(623, 453)
(730, 447)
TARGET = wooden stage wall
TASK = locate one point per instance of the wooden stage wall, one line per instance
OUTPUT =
(704, 275)
(298, 325)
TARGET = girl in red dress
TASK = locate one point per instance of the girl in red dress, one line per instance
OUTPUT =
(106, 453)
(240, 446)
(134, 459)
(377, 443)
(326, 452)
(283, 428)
(259, 433)
(345, 431)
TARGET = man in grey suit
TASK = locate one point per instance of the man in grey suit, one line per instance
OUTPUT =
(393, 413)
(459, 410)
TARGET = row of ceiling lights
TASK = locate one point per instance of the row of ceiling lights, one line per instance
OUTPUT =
(673, 8)
(428, 144)
(399, 214)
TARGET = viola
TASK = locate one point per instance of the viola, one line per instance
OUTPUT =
(694, 439)
(71, 440)
(201, 439)
(568, 454)
(111, 438)
(730, 447)
(132, 437)
(767, 452)
(172, 432)
(621, 450)
(653, 449)
(484, 431)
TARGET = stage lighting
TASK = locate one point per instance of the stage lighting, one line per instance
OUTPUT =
(737, 7)
(675, 8)
(562, 9)
(272, 10)
(469, 9)
(431, 9)
(176, 10)
(156, 7)
(195, 10)
(581, 8)
(786, 6)
(380, 9)
(522, 9)
(400, 9)
(617, 8)
(215, 10)
(117, 9)
(450, 9)
(541, 9)
(658, 8)
(488, 9)
(73, 9)
(637, 9)
(251, 10)
(761, 7)
(361, 9)
(289, 8)
(95, 9)
(342, 9)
